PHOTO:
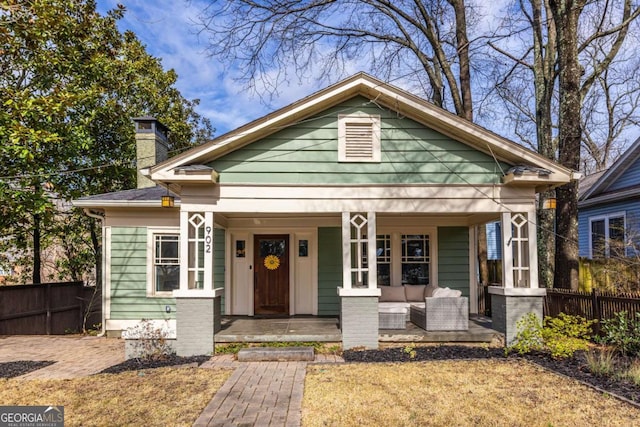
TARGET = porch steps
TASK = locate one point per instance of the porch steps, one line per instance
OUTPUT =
(276, 354)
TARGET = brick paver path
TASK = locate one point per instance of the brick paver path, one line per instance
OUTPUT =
(75, 356)
(258, 394)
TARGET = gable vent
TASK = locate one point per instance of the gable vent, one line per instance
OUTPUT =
(359, 138)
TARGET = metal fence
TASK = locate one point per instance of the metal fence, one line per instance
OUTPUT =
(48, 308)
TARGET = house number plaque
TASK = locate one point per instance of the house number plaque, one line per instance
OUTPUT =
(207, 240)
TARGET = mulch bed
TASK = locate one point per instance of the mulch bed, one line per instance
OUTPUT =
(574, 367)
(21, 367)
(150, 363)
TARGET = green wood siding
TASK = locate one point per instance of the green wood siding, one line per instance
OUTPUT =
(218, 261)
(308, 153)
(129, 275)
(129, 278)
(453, 258)
(329, 270)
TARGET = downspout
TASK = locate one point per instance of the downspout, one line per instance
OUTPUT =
(99, 215)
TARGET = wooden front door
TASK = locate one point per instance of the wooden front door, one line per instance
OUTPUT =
(271, 274)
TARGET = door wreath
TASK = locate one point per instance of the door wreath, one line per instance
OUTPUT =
(272, 262)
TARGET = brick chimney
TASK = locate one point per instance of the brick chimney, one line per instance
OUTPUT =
(151, 146)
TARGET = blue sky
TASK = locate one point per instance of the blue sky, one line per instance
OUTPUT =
(166, 28)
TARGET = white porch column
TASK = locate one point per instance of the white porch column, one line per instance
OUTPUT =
(359, 305)
(519, 294)
(507, 251)
(346, 250)
(372, 258)
(198, 303)
(533, 248)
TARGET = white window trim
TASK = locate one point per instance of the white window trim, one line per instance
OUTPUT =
(374, 120)
(396, 234)
(606, 219)
(151, 232)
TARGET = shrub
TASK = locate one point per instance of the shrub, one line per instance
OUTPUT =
(564, 335)
(622, 332)
(561, 336)
(152, 341)
(529, 335)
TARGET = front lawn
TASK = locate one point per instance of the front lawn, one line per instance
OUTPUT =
(154, 397)
(493, 392)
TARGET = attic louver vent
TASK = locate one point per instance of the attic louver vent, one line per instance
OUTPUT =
(359, 141)
(359, 138)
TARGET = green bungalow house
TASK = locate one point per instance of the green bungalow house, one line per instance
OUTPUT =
(310, 210)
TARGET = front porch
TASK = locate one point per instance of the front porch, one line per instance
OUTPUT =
(326, 329)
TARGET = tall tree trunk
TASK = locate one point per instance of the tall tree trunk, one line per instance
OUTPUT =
(462, 44)
(566, 14)
(37, 261)
(544, 49)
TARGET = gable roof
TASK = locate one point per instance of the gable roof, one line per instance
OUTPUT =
(610, 176)
(587, 182)
(384, 95)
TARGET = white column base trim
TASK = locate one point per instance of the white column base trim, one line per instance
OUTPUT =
(359, 292)
(198, 293)
(518, 292)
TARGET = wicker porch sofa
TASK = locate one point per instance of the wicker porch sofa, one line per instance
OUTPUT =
(441, 314)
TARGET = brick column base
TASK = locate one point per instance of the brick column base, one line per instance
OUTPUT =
(506, 310)
(359, 321)
(195, 325)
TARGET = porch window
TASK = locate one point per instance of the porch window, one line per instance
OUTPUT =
(383, 257)
(410, 255)
(415, 259)
(607, 236)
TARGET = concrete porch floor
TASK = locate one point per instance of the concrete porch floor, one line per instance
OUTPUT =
(326, 329)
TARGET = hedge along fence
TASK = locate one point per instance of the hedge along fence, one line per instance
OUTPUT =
(610, 274)
(594, 305)
(48, 308)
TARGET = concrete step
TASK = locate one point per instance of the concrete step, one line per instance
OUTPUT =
(276, 354)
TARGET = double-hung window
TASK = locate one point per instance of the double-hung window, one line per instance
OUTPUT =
(402, 259)
(163, 262)
(607, 236)
(415, 259)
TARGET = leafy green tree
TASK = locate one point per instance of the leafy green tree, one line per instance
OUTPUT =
(70, 82)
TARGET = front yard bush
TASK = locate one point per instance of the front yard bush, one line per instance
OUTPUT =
(622, 332)
(560, 336)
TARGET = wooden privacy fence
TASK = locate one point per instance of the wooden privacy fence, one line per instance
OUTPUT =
(48, 308)
(590, 305)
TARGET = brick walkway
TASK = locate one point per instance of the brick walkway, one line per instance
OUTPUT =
(258, 393)
(75, 356)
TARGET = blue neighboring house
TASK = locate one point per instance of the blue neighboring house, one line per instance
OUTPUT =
(609, 209)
